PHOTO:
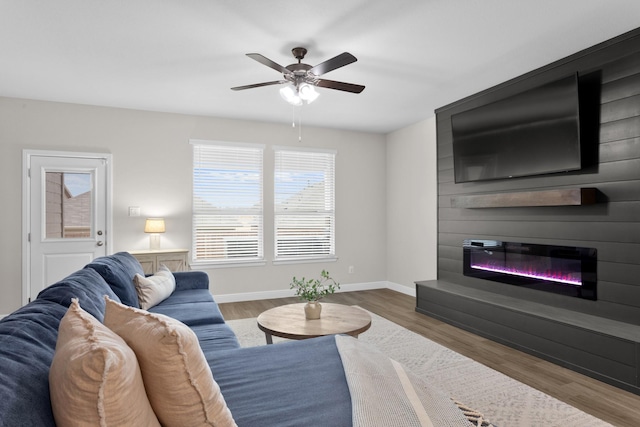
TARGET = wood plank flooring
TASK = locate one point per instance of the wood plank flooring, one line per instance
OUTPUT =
(601, 400)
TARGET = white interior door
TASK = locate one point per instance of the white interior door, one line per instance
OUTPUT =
(67, 215)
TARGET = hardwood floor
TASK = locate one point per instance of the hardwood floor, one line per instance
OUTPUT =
(601, 400)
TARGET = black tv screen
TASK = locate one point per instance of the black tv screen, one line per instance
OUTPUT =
(531, 133)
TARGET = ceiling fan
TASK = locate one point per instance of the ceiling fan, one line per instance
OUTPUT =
(302, 76)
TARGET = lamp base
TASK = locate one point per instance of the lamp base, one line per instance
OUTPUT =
(154, 242)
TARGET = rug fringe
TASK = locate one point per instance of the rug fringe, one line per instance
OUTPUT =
(474, 417)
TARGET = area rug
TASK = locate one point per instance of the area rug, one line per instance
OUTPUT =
(501, 399)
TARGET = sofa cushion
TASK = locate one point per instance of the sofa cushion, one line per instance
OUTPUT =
(188, 296)
(86, 285)
(27, 344)
(215, 337)
(154, 289)
(191, 314)
(175, 372)
(118, 270)
(95, 378)
(264, 385)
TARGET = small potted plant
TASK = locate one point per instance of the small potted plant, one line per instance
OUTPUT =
(313, 290)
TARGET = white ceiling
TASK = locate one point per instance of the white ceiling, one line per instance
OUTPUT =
(183, 56)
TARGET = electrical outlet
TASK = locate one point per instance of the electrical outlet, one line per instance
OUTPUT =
(351, 269)
(134, 211)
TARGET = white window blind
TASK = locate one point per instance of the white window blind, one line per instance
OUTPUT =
(304, 204)
(227, 202)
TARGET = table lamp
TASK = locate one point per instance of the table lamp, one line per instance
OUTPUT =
(154, 226)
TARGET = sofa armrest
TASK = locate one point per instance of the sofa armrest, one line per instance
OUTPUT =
(191, 280)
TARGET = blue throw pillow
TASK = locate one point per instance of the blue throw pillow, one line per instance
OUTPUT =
(118, 270)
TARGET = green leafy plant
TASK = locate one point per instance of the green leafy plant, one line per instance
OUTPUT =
(315, 289)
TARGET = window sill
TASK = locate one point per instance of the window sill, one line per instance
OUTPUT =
(227, 264)
(283, 261)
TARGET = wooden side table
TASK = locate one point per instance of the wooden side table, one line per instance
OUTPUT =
(174, 259)
(288, 321)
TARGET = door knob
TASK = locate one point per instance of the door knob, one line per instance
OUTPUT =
(100, 243)
(99, 232)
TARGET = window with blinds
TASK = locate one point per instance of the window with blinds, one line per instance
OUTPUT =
(304, 190)
(227, 202)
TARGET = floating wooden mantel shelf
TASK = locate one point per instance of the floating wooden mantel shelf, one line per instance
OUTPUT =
(561, 197)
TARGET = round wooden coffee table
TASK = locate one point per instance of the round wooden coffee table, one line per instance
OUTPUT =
(288, 321)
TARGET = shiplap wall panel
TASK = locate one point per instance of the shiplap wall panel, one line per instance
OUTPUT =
(620, 108)
(566, 231)
(623, 170)
(616, 211)
(612, 226)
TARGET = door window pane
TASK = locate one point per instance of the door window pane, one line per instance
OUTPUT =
(68, 207)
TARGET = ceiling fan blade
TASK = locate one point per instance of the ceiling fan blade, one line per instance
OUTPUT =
(277, 82)
(331, 64)
(269, 63)
(347, 87)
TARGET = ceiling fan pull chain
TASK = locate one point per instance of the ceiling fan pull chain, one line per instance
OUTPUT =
(300, 125)
(293, 116)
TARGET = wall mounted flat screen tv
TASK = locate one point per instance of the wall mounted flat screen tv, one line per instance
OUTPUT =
(534, 132)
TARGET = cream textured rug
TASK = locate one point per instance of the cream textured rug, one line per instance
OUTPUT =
(501, 399)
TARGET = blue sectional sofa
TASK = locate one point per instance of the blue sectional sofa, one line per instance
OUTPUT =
(298, 383)
(259, 384)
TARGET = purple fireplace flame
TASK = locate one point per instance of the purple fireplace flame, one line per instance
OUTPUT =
(572, 278)
(565, 270)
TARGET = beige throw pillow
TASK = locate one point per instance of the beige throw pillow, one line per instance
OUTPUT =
(154, 289)
(176, 375)
(94, 378)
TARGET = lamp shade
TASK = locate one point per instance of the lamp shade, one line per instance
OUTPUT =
(154, 225)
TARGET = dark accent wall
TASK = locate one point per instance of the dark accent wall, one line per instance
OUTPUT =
(609, 76)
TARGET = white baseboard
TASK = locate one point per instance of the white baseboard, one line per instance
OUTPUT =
(252, 296)
(283, 293)
(411, 291)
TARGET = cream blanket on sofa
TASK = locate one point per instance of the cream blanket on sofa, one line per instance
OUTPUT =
(384, 394)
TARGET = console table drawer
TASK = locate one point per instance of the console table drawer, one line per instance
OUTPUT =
(174, 259)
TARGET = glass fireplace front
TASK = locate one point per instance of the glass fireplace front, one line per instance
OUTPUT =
(565, 270)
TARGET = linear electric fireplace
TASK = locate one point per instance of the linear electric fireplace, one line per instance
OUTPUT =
(565, 270)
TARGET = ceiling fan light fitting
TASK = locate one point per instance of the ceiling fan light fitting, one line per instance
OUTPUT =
(290, 94)
(307, 93)
(303, 94)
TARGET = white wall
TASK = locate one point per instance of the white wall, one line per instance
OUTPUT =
(152, 170)
(412, 205)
